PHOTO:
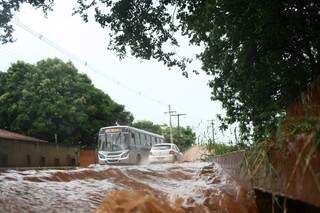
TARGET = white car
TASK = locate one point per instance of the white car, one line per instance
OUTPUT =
(164, 152)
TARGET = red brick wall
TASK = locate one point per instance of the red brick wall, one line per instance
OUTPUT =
(14, 153)
(88, 156)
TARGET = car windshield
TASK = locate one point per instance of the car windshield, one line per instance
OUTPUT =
(161, 147)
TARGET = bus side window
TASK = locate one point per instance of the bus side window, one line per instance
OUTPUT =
(146, 143)
(133, 140)
(142, 140)
(147, 140)
(126, 139)
(136, 135)
(139, 139)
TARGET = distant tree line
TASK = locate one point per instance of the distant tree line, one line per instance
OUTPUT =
(183, 137)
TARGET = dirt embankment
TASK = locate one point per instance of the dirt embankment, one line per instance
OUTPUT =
(195, 153)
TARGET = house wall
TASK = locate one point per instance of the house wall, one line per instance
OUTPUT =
(33, 154)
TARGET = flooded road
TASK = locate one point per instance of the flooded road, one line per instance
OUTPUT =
(197, 187)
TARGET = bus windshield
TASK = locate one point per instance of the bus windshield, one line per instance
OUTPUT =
(115, 142)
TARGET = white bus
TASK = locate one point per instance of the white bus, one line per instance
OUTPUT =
(125, 144)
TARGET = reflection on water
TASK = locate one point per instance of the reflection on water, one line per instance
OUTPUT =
(195, 186)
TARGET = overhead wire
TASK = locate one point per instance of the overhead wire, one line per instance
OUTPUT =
(73, 57)
(77, 59)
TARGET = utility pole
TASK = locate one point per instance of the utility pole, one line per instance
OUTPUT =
(170, 122)
(212, 127)
(235, 135)
(178, 116)
(56, 137)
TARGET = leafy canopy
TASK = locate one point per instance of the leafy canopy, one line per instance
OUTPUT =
(261, 54)
(7, 11)
(183, 137)
(51, 97)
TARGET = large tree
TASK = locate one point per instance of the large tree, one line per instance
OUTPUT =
(261, 54)
(51, 97)
(184, 137)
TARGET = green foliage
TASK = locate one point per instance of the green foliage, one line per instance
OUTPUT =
(183, 137)
(258, 53)
(304, 125)
(140, 28)
(261, 54)
(300, 126)
(221, 148)
(7, 11)
(50, 98)
(258, 158)
(317, 139)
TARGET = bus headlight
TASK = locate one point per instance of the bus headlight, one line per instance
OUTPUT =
(124, 155)
(101, 156)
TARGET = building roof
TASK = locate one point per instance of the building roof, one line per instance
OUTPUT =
(15, 136)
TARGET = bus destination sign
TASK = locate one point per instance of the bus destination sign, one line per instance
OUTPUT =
(113, 130)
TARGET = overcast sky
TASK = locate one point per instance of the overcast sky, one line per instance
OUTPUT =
(88, 42)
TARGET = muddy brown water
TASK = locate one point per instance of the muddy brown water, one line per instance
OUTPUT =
(201, 187)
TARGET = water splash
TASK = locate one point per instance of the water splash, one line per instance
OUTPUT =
(200, 188)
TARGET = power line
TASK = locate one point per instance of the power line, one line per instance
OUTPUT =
(106, 76)
(84, 62)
